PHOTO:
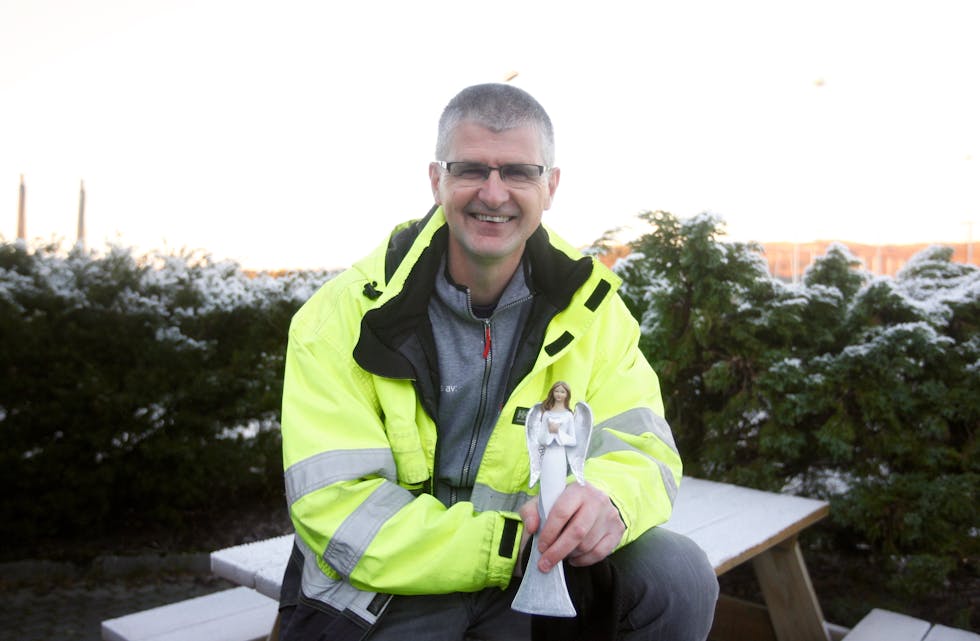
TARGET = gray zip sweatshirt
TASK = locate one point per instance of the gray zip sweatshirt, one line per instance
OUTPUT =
(475, 356)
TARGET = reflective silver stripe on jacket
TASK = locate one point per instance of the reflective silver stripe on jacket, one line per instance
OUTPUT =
(485, 498)
(358, 529)
(635, 421)
(641, 420)
(319, 471)
(337, 593)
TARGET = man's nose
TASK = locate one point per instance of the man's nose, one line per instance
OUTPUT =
(494, 191)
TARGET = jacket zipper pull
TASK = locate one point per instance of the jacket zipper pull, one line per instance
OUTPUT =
(486, 340)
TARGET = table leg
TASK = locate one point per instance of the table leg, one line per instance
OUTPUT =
(789, 595)
(274, 634)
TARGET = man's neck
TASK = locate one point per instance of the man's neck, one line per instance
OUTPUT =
(486, 280)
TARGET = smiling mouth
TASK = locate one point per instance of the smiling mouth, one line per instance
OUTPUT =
(491, 219)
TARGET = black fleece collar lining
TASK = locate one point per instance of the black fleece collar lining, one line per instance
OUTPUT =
(384, 330)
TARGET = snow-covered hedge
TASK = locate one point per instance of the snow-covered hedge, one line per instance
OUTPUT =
(860, 389)
(136, 389)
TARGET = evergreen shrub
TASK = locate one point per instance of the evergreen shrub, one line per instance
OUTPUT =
(858, 389)
(136, 391)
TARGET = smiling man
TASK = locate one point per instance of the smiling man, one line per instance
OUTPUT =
(408, 378)
(491, 215)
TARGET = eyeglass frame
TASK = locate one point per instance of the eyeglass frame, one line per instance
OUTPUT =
(542, 169)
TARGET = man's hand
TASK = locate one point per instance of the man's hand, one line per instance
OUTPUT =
(583, 526)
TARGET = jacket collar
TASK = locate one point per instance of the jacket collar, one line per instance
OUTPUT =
(399, 324)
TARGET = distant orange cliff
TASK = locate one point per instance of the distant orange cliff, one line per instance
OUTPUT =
(787, 260)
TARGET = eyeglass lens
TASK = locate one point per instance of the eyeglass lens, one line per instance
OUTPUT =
(513, 172)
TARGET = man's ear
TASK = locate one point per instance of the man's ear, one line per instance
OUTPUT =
(553, 177)
(435, 175)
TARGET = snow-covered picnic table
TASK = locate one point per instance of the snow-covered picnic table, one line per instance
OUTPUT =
(732, 524)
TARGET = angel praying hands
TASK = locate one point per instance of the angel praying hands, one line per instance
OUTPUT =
(557, 439)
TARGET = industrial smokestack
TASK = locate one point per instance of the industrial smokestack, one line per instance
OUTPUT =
(22, 212)
(80, 237)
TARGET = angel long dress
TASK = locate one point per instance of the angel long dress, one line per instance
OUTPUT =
(554, 459)
(547, 593)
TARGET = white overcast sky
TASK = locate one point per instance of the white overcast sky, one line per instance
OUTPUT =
(293, 134)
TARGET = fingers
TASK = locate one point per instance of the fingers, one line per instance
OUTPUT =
(603, 548)
(573, 514)
(529, 514)
(583, 526)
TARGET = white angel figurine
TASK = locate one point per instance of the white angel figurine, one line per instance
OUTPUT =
(557, 439)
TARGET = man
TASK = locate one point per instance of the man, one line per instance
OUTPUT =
(408, 378)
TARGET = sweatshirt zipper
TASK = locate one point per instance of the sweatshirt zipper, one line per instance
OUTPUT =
(481, 410)
(484, 392)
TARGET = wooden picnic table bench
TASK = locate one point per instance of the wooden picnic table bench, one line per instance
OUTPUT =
(238, 614)
(882, 625)
(732, 524)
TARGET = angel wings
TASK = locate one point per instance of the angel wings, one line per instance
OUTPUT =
(571, 430)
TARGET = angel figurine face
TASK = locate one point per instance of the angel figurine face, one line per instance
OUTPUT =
(559, 395)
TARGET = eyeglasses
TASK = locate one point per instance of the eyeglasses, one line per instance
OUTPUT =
(517, 174)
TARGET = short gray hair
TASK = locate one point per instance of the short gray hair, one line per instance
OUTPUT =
(498, 107)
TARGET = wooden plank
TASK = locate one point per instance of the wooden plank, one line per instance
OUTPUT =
(789, 595)
(238, 614)
(882, 625)
(733, 524)
(258, 565)
(943, 633)
(740, 620)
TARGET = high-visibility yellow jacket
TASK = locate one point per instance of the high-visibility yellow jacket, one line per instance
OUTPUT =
(359, 438)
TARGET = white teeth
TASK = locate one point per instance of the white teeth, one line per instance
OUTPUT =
(491, 219)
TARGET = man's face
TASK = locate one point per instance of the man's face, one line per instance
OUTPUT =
(490, 220)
